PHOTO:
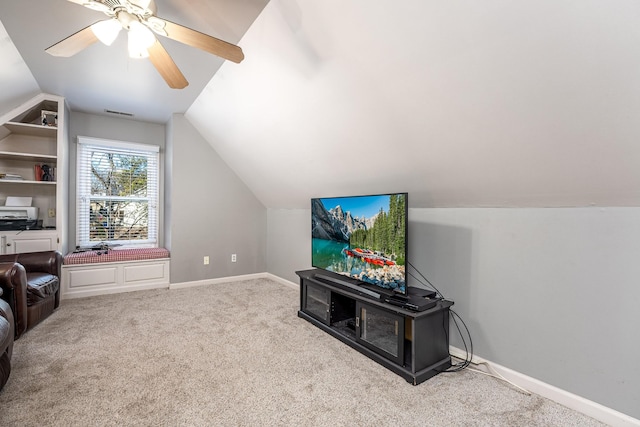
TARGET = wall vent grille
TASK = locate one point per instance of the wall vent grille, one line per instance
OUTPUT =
(119, 113)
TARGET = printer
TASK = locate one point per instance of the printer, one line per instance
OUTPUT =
(15, 216)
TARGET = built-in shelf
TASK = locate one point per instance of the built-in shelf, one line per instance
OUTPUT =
(26, 181)
(25, 147)
(31, 129)
(31, 157)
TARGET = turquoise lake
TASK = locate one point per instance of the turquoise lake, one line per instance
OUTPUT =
(328, 254)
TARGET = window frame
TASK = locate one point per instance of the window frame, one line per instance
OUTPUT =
(87, 145)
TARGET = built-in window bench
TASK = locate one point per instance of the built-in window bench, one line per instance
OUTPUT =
(117, 270)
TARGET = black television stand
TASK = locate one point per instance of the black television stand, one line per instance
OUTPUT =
(343, 282)
(413, 344)
(414, 301)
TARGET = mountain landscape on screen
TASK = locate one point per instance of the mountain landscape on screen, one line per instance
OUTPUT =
(363, 237)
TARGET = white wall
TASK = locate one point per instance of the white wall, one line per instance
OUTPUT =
(550, 293)
(212, 213)
(288, 242)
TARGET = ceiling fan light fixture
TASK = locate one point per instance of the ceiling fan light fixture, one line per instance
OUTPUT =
(106, 31)
(157, 25)
(140, 7)
(140, 39)
(96, 5)
(139, 18)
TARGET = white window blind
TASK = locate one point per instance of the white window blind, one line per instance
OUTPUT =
(117, 189)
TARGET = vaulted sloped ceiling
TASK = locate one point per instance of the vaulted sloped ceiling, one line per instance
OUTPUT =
(16, 81)
(101, 77)
(460, 103)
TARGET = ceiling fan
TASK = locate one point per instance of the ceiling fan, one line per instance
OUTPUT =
(139, 18)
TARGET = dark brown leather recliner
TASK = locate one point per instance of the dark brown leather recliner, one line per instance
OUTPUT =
(31, 286)
(6, 341)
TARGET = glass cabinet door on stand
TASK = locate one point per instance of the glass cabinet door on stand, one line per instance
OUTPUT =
(316, 302)
(381, 331)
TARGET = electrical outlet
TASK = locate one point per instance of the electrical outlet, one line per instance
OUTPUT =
(233, 258)
(52, 213)
(206, 260)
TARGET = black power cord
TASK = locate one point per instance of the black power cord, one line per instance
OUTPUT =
(455, 317)
(468, 350)
(425, 279)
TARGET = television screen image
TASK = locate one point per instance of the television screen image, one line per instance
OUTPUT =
(362, 237)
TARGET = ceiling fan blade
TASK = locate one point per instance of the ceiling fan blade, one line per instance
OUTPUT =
(202, 41)
(166, 67)
(73, 44)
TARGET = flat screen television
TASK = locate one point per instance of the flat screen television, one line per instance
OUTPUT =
(362, 237)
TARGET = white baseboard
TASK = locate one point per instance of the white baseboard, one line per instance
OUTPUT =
(592, 409)
(217, 281)
(103, 290)
(282, 281)
(234, 279)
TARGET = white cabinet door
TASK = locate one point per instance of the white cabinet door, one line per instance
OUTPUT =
(28, 241)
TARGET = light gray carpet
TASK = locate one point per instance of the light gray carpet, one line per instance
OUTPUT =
(232, 355)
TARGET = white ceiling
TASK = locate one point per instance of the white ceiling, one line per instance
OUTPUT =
(16, 81)
(460, 103)
(103, 77)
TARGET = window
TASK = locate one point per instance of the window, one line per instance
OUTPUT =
(117, 190)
